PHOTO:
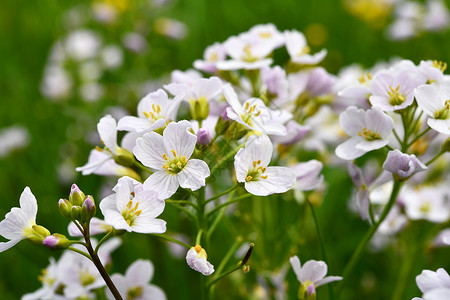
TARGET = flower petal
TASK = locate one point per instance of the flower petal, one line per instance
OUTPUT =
(149, 150)
(178, 138)
(193, 174)
(166, 184)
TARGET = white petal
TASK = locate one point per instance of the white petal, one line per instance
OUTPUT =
(6, 245)
(207, 88)
(95, 160)
(193, 174)
(150, 149)
(107, 130)
(348, 151)
(178, 138)
(153, 292)
(140, 272)
(28, 204)
(379, 122)
(295, 263)
(149, 226)
(279, 180)
(130, 123)
(428, 98)
(13, 225)
(442, 126)
(232, 99)
(328, 279)
(166, 184)
(352, 120)
(313, 271)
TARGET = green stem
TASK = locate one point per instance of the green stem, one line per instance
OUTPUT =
(198, 240)
(218, 207)
(362, 245)
(187, 202)
(226, 158)
(397, 137)
(186, 211)
(227, 256)
(80, 252)
(223, 193)
(78, 242)
(171, 239)
(418, 137)
(142, 167)
(104, 239)
(434, 158)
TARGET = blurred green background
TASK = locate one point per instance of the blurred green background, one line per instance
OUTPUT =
(28, 30)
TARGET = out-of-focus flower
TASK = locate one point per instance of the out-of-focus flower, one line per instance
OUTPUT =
(308, 175)
(12, 138)
(299, 51)
(135, 283)
(211, 56)
(171, 28)
(402, 165)
(251, 164)
(434, 285)
(82, 44)
(96, 226)
(50, 283)
(196, 258)
(434, 101)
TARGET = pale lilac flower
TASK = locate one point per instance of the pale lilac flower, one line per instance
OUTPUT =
(169, 155)
(267, 33)
(369, 130)
(19, 222)
(254, 114)
(13, 138)
(299, 51)
(171, 28)
(402, 165)
(96, 226)
(251, 164)
(57, 82)
(432, 70)
(275, 83)
(135, 42)
(50, 283)
(393, 89)
(434, 100)
(111, 57)
(187, 77)
(437, 16)
(314, 83)
(154, 111)
(196, 258)
(308, 175)
(203, 136)
(211, 56)
(133, 209)
(429, 280)
(394, 222)
(135, 284)
(312, 273)
(294, 133)
(442, 239)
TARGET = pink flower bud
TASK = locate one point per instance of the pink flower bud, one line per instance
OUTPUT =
(203, 136)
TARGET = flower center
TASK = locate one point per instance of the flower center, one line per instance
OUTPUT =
(395, 98)
(365, 79)
(45, 279)
(86, 278)
(135, 292)
(444, 113)
(201, 253)
(425, 207)
(130, 212)
(439, 65)
(265, 35)
(213, 57)
(369, 135)
(247, 55)
(176, 164)
(153, 114)
(256, 172)
(305, 50)
(250, 111)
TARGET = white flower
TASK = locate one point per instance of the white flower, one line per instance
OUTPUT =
(96, 226)
(308, 175)
(434, 285)
(154, 111)
(13, 138)
(50, 283)
(429, 202)
(254, 114)
(434, 100)
(369, 130)
(135, 283)
(312, 273)
(196, 259)
(251, 164)
(211, 56)
(202, 89)
(133, 209)
(170, 156)
(402, 165)
(18, 223)
(299, 51)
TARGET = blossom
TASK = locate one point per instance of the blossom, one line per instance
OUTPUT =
(154, 111)
(308, 175)
(211, 56)
(169, 155)
(312, 274)
(434, 100)
(19, 223)
(135, 283)
(251, 164)
(299, 51)
(96, 226)
(13, 138)
(369, 130)
(254, 114)
(133, 209)
(434, 285)
(50, 283)
(196, 259)
(402, 165)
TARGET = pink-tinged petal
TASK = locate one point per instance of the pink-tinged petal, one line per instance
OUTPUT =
(150, 149)
(381, 103)
(193, 174)
(233, 100)
(107, 129)
(279, 180)
(297, 83)
(307, 175)
(28, 204)
(140, 272)
(428, 98)
(296, 266)
(6, 245)
(166, 184)
(97, 226)
(379, 122)
(352, 120)
(207, 88)
(130, 123)
(142, 225)
(153, 292)
(348, 151)
(178, 137)
(442, 126)
(313, 271)
(199, 264)
(367, 146)
(328, 279)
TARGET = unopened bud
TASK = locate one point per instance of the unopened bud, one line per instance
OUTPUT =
(311, 289)
(203, 136)
(124, 157)
(246, 268)
(88, 209)
(199, 108)
(64, 207)
(36, 234)
(75, 213)
(76, 195)
(56, 241)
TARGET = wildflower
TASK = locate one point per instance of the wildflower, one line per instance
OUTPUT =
(251, 164)
(434, 285)
(96, 226)
(401, 165)
(169, 155)
(308, 175)
(135, 283)
(369, 130)
(133, 209)
(434, 100)
(196, 258)
(50, 283)
(211, 56)
(299, 51)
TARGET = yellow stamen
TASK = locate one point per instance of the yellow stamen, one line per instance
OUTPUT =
(174, 153)
(165, 156)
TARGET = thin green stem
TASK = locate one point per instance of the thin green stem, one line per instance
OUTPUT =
(397, 137)
(78, 242)
(434, 158)
(229, 254)
(226, 158)
(229, 271)
(104, 239)
(185, 210)
(187, 202)
(80, 252)
(418, 137)
(218, 207)
(198, 240)
(223, 193)
(171, 239)
(362, 245)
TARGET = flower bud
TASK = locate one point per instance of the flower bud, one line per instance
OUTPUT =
(64, 207)
(56, 241)
(36, 234)
(124, 157)
(75, 213)
(199, 108)
(203, 136)
(88, 209)
(76, 195)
